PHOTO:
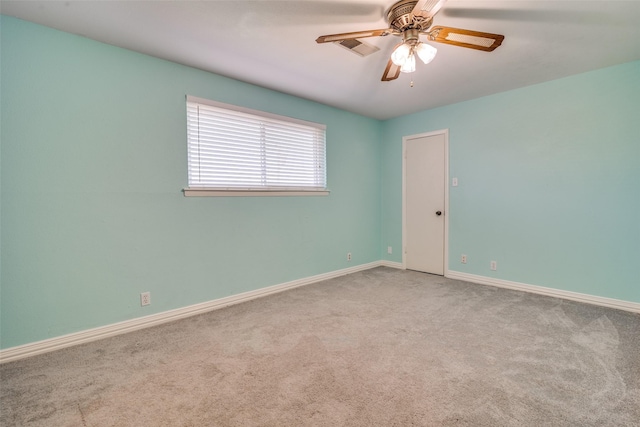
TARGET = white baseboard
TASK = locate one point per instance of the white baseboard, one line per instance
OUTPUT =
(89, 335)
(392, 264)
(573, 296)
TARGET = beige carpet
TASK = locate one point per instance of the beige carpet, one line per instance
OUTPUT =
(382, 347)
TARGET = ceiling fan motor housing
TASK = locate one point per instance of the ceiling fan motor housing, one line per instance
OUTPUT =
(411, 36)
(400, 18)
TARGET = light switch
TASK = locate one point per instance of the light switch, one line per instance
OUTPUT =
(454, 182)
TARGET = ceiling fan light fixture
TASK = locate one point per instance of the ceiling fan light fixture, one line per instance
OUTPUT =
(401, 54)
(409, 65)
(404, 55)
(426, 52)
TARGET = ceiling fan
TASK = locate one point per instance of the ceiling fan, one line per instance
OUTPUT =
(410, 19)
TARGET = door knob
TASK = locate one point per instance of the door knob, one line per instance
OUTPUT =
(439, 213)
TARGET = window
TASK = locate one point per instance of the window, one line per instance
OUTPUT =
(235, 150)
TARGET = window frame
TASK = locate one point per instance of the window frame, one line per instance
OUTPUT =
(195, 191)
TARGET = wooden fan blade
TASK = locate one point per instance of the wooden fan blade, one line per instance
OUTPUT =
(392, 72)
(427, 8)
(466, 38)
(354, 35)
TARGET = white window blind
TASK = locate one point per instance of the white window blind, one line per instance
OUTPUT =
(233, 148)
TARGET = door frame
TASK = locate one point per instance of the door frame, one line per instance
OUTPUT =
(405, 140)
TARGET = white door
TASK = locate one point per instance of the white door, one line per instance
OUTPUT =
(424, 202)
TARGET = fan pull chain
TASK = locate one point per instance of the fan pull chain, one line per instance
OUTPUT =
(411, 83)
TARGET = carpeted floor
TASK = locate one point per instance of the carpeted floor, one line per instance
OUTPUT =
(382, 347)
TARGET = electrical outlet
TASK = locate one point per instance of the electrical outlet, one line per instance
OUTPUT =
(494, 265)
(463, 259)
(389, 250)
(349, 256)
(145, 298)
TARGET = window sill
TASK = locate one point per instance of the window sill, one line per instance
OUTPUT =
(206, 192)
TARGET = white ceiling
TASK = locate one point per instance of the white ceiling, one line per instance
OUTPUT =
(272, 44)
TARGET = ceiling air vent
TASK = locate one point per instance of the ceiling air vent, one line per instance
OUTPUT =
(358, 47)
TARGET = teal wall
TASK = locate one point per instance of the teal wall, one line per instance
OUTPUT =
(93, 164)
(93, 160)
(549, 182)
